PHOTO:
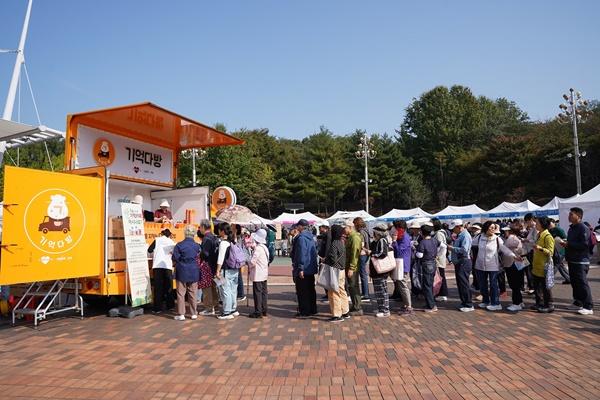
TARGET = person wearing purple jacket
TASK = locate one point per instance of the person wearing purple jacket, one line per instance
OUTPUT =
(403, 251)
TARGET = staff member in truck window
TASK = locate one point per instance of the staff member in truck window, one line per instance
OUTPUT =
(163, 214)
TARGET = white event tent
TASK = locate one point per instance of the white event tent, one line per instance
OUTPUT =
(551, 208)
(395, 214)
(470, 213)
(589, 202)
(511, 210)
(290, 219)
(345, 215)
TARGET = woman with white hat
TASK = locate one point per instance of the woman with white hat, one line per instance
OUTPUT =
(163, 214)
(259, 271)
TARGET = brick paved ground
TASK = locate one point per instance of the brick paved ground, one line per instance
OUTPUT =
(448, 355)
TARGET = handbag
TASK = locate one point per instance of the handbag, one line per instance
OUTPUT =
(398, 274)
(329, 278)
(437, 282)
(206, 276)
(386, 264)
(549, 273)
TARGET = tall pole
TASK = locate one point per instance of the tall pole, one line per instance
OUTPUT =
(366, 180)
(576, 143)
(12, 89)
(193, 167)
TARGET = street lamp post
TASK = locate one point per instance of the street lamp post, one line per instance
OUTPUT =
(574, 111)
(193, 153)
(365, 151)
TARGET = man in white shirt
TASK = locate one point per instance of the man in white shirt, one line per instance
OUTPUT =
(162, 269)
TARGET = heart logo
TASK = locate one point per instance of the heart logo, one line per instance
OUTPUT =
(136, 169)
(45, 259)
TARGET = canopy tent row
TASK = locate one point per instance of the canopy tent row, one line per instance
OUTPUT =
(290, 219)
(342, 216)
(589, 202)
(551, 209)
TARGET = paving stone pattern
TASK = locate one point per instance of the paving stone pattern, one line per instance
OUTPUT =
(446, 355)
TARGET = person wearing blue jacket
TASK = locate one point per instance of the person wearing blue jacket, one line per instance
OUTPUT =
(304, 268)
(187, 273)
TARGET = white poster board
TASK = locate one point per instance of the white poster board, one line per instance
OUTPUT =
(136, 254)
(124, 157)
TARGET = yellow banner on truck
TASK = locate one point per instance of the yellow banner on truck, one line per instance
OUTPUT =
(53, 226)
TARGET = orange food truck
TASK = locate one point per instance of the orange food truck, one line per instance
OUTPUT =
(63, 231)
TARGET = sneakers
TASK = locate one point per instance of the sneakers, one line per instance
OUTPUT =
(483, 305)
(243, 298)
(494, 308)
(365, 299)
(179, 318)
(406, 311)
(478, 297)
(336, 319)
(574, 307)
(515, 307)
(356, 313)
(382, 314)
(255, 315)
(585, 311)
(225, 316)
(466, 309)
(346, 316)
(206, 312)
(431, 310)
(236, 313)
(194, 316)
(441, 298)
(545, 310)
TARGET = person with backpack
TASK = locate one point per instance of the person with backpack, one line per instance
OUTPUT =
(230, 259)
(577, 255)
(259, 271)
(304, 269)
(488, 264)
(542, 251)
(209, 253)
(187, 273)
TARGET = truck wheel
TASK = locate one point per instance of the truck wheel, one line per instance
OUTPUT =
(45, 230)
(65, 230)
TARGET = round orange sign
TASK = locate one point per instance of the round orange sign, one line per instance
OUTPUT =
(223, 197)
(54, 221)
(104, 152)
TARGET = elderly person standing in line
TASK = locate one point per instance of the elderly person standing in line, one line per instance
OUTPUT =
(187, 273)
(461, 258)
(379, 249)
(304, 268)
(162, 269)
(259, 271)
(361, 228)
(336, 258)
(542, 251)
(487, 265)
(353, 249)
(403, 251)
(441, 257)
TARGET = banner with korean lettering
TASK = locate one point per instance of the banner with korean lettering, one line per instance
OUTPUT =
(123, 156)
(136, 254)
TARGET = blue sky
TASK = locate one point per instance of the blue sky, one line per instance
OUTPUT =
(293, 66)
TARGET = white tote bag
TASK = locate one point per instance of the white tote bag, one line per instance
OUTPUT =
(398, 272)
